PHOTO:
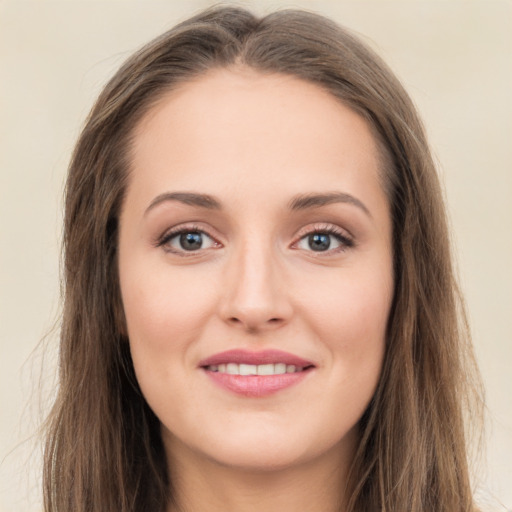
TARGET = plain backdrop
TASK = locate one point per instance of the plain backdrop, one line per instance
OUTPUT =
(454, 58)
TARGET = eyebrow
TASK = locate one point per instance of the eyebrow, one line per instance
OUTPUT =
(299, 202)
(190, 198)
(305, 201)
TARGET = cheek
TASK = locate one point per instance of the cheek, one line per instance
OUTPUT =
(349, 315)
(161, 306)
(165, 314)
(349, 306)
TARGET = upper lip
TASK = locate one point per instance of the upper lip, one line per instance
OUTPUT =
(241, 356)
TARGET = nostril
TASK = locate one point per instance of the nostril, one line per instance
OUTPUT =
(252, 325)
(236, 320)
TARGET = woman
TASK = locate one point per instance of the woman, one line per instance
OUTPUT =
(260, 310)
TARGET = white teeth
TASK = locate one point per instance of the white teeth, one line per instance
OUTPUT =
(280, 368)
(233, 369)
(252, 369)
(266, 369)
(248, 369)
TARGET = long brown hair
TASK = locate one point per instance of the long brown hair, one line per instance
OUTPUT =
(104, 451)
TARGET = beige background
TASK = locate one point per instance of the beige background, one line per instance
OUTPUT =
(453, 57)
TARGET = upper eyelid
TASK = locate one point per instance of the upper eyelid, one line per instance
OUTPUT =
(308, 229)
(319, 227)
(163, 242)
(170, 233)
(344, 237)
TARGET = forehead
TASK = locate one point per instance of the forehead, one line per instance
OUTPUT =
(240, 125)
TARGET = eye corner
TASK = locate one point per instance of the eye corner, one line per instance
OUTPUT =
(187, 241)
(329, 239)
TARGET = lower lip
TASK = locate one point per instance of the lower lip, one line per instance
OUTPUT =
(256, 385)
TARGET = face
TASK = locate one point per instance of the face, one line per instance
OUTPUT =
(255, 267)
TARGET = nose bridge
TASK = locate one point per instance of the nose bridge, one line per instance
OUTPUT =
(255, 296)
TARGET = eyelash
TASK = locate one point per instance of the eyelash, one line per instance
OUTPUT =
(173, 233)
(345, 240)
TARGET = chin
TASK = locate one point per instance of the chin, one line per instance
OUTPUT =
(258, 460)
(259, 449)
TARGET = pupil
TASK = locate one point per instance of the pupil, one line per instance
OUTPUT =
(319, 241)
(191, 241)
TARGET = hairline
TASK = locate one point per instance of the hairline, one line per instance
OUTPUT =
(383, 154)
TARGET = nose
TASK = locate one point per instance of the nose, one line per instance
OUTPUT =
(255, 297)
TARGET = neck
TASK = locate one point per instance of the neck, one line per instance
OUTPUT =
(202, 484)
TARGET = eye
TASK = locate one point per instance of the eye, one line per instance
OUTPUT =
(325, 240)
(187, 240)
(317, 242)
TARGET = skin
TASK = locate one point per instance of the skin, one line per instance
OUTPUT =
(255, 143)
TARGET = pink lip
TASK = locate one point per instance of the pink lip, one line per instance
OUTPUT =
(256, 385)
(240, 356)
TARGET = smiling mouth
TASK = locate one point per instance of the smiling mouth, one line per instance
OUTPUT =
(252, 369)
(256, 374)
